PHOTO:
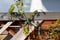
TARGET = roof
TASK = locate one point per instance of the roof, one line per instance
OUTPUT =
(47, 16)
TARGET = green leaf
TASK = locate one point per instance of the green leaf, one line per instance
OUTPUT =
(57, 23)
(43, 12)
(36, 11)
(17, 5)
(11, 8)
(26, 30)
(22, 11)
(18, 10)
(21, 4)
(18, 0)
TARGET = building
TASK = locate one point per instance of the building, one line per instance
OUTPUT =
(11, 28)
(7, 21)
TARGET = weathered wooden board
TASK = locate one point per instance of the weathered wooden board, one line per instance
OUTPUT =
(5, 27)
(2, 37)
(21, 36)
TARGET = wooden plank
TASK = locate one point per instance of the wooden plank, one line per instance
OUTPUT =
(11, 32)
(2, 37)
(5, 32)
(21, 36)
(12, 26)
(5, 27)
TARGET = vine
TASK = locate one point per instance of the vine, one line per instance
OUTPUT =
(21, 14)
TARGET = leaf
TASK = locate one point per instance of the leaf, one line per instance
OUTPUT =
(22, 11)
(17, 3)
(43, 12)
(57, 23)
(26, 30)
(11, 8)
(36, 11)
(21, 4)
(18, 0)
(18, 10)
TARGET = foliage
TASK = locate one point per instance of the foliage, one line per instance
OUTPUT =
(11, 8)
(19, 4)
(57, 23)
(36, 11)
(52, 32)
(26, 29)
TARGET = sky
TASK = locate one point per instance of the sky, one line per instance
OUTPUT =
(5, 5)
(49, 5)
